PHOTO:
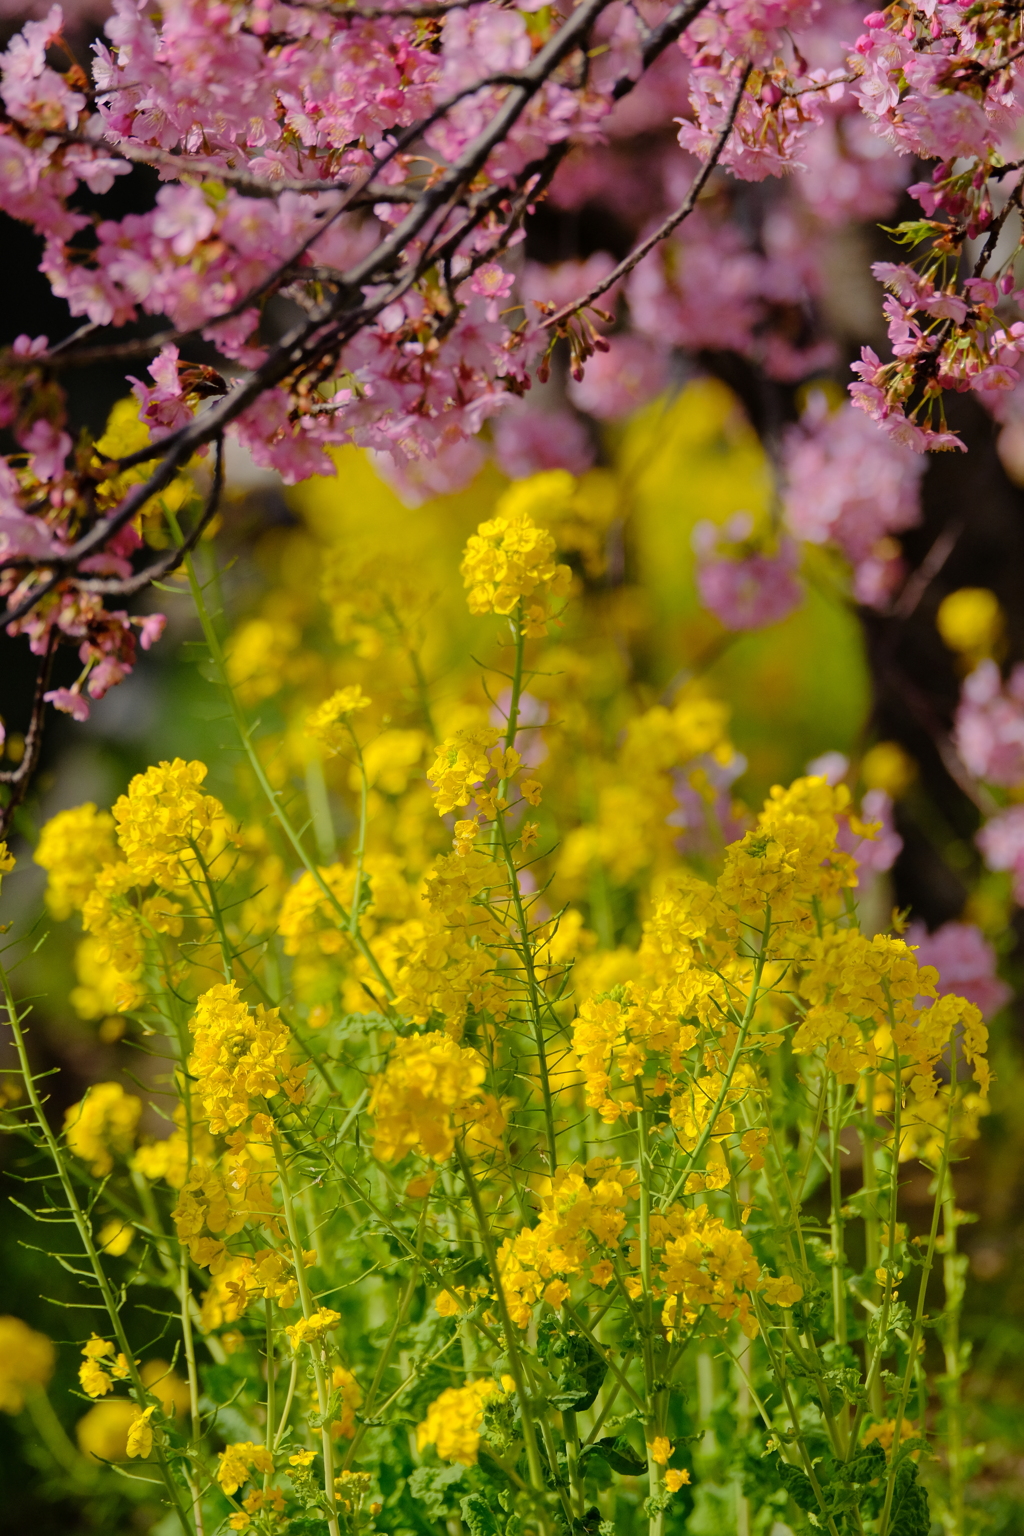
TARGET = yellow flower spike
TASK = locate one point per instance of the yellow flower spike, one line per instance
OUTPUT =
(236, 1461)
(328, 723)
(27, 1359)
(510, 560)
(453, 1422)
(240, 1057)
(102, 1126)
(428, 1082)
(73, 847)
(308, 1329)
(661, 1449)
(163, 818)
(140, 1433)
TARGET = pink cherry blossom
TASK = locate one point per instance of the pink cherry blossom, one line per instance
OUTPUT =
(743, 587)
(989, 730)
(966, 963)
(528, 440)
(620, 380)
(69, 702)
(1001, 841)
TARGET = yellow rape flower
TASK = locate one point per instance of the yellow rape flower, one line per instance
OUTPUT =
(970, 621)
(343, 1380)
(329, 724)
(101, 1126)
(236, 1461)
(429, 1084)
(165, 819)
(302, 1459)
(239, 1057)
(27, 1359)
(102, 1433)
(462, 763)
(676, 1478)
(509, 560)
(140, 1433)
(454, 1420)
(307, 1329)
(100, 1367)
(73, 846)
(661, 1449)
(782, 1291)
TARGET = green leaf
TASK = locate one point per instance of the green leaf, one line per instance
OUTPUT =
(618, 1453)
(478, 1517)
(910, 1514)
(798, 1485)
(432, 1488)
(575, 1364)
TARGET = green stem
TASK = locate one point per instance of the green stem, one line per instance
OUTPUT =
(245, 736)
(734, 1060)
(516, 1369)
(916, 1337)
(953, 1282)
(315, 1347)
(85, 1236)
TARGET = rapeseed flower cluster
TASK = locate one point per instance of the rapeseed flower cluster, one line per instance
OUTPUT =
(511, 561)
(101, 1366)
(443, 956)
(238, 1461)
(330, 724)
(166, 826)
(430, 1087)
(101, 1127)
(27, 1360)
(240, 1059)
(73, 847)
(582, 1217)
(454, 1421)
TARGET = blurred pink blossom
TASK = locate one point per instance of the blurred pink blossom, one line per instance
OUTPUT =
(528, 440)
(617, 382)
(845, 482)
(966, 963)
(1001, 841)
(989, 729)
(744, 587)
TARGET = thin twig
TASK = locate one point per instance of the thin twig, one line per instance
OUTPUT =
(664, 229)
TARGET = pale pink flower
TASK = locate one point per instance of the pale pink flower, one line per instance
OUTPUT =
(1001, 841)
(966, 963)
(989, 728)
(528, 440)
(69, 702)
(621, 380)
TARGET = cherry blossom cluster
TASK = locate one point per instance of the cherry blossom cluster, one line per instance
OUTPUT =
(373, 165)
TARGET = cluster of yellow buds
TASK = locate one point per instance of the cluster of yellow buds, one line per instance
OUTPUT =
(101, 1367)
(308, 1329)
(510, 561)
(454, 1420)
